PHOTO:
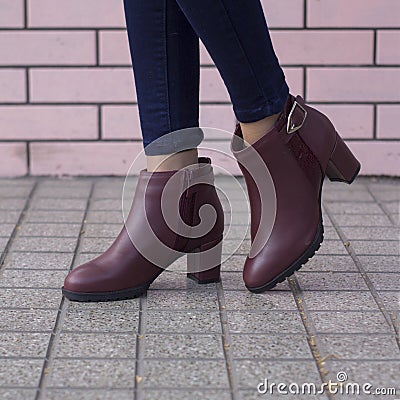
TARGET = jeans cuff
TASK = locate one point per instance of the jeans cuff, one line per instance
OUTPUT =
(265, 110)
(174, 142)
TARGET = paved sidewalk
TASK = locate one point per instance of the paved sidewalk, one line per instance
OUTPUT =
(183, 341)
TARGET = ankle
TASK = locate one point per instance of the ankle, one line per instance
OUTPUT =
(172, 162)
(252, 131)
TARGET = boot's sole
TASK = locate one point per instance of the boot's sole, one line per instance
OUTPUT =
(125, 294)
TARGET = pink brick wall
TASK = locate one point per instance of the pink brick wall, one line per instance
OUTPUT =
(67, 99)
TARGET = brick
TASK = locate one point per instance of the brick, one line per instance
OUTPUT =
(219, 117)
(358, 14)
(47, 48)
(323, 47)
(120, 122)
(12, 13)
(13, 159)
(48, 122)
(351, 120)
(12, 86)
(205, 58)
(388, 47)
(377, 158)
(114, 48)
(75, 13)
(294, 78)
(80, 158)
(284, 13)
(387, 117)
(82, 85)
(353, 84)
(212, 87)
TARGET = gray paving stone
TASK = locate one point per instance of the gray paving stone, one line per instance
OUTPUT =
(345, 347)
(371, 233)
(14, 191)
(9, 217)
(23, 344)
(53, 230)
(88, 394)
(174, 280)
(270, 300)
(332, 247)
(387, 195)
(251, 372)
(106, 204)
(378, 373)
(382, 247)
(123, 305)
(392, 206)
(95, 245)
(342, 322)
(62, 192)
(11, 204)
(48, 244)
(105, 217)
(387, 281)
(17, 394)
(234, 281)
(269, 322)
(88, 345)
(330, 233)
(83, 258)
(236, 247)
(27, 320)
(100, 320)
(233, 263)
(20, 372)
(59, 204)
(379, 263)
(3, 244)
(354, 208)
(330, 263)
(30, 298)
(331, 281)
(363, 220)
(32, 278)
(391, 300)
(102, 230)
(55, 216)
(28, 260)
(252, 394)
(6, 229)
(340, 301)
(336, 281)
(175, 394)
(350, 195)
(280, 346)
(184, 373)
(182, 300)
(182, 321)
(73, 373)
(108, 190)
(183, 346)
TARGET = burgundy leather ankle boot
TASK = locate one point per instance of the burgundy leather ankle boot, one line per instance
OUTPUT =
(165, 222)
(301, 148)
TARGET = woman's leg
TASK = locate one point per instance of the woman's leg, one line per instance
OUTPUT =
(236, 35)
(165, 58)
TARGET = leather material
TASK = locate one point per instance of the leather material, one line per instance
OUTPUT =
(297, 164)
(122, 266)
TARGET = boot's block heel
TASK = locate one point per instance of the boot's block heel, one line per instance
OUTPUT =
(204, 264)
(342, 165)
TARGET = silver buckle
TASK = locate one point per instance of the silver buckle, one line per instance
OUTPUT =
(291, 127)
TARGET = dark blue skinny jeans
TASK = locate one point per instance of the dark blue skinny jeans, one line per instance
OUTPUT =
(164, 44)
